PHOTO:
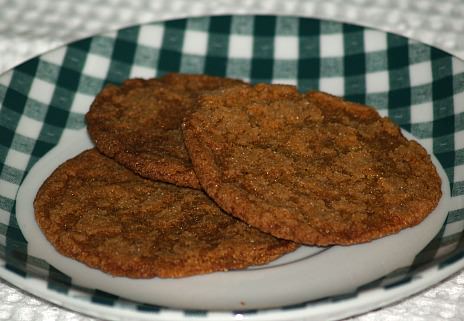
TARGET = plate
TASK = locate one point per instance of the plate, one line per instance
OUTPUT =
(306, 274)
(43, 101)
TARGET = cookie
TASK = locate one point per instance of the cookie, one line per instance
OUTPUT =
(96, 211)
(310, 168)
(138, 124)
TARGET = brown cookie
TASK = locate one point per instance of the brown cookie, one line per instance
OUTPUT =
(138, 124)
(309, 168)
(98, 212)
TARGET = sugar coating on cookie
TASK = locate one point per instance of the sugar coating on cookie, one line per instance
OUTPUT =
(138, 124)
(311, 168)
(94, 210)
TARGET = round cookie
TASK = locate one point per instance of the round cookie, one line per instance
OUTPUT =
(138, 124)
(310, 168)
(96, 211)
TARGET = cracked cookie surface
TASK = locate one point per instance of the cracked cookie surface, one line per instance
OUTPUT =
(311, 168)
(138, 124)
(96, 211)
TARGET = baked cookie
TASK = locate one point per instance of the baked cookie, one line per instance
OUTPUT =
(98, 212)
(310, 168)
(138, 124)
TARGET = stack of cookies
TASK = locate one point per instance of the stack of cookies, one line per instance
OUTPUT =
(193, 174)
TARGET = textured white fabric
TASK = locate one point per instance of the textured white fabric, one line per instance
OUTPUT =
(29, 27)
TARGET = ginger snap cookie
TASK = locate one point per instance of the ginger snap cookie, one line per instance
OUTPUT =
(138, 124)
(96, 211)
(311, 168)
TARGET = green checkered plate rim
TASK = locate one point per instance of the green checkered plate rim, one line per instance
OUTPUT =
(43, 101)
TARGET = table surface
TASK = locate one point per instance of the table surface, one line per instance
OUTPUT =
(28, 28)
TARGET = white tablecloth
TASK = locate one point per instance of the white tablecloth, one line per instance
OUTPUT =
(29, 27)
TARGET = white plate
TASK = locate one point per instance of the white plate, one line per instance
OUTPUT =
(306, 274)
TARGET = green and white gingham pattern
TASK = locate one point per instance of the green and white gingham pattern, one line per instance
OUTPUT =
(419, 87)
